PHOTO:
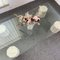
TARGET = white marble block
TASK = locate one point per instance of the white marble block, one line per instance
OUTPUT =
(42, 11)
(3, 3)
(13, 52)
(55, 27)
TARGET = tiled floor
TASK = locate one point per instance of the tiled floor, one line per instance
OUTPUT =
(48, 49)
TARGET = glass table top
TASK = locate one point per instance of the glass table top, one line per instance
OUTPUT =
(24, 39)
